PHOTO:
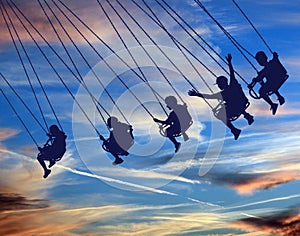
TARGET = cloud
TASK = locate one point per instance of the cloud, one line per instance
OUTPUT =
(89, 11)
(264, 181)
(93, 220)
(286, 223)
(265, 201)
(22, 216)
(247, 184)
(21, 176)
(15, 202)
(35, 185)
(148, 175)
(6, 133)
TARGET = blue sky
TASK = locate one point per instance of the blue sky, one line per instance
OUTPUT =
(213, 186)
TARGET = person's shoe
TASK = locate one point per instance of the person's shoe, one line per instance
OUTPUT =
(281, 100)
(236, 133)
(250, 119)
(47, 172)
(52, 163)
(177, 147)
(274, 108)
(118, 161)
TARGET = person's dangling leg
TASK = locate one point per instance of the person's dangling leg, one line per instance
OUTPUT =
(118, 160)
(52, 163)
(235, 131)
(248, 117)
(177, 144)
(222, 115)
(41, 160)
(263, 92)
(280, 97)
(170, 134)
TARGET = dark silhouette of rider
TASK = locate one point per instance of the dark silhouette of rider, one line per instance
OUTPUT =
(233, 98)
(53, 150)
(274, 73)
(119, 141)
(178, 121)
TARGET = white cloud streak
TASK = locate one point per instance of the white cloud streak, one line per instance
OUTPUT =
(264, 201)
(104, 178)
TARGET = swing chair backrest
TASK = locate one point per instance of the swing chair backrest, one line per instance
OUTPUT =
(123, 136)
(184, 117)
(280, 82)
(275, 71)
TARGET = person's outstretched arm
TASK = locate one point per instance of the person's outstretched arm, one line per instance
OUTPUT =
(159, 121)
(195, 93)
(168, 121)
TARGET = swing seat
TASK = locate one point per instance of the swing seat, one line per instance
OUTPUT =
(163, 132)
(121, 148)
(233, 116)
(46, 152)
(275, 87)
(116, 150)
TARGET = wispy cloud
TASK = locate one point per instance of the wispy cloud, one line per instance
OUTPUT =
(6, 133)
(284, 223)
(148, 174)
(247, 184)
(15, 202)
(265, 201)
(36, 219)
(40, 21)
(114, 180)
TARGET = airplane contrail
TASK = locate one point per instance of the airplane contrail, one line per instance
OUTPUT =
(265, 201)
(108, 179)
(112, 180)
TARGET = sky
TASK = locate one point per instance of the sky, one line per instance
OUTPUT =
(119, 54)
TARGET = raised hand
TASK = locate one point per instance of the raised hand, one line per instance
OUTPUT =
(275, 54)
(229, 57)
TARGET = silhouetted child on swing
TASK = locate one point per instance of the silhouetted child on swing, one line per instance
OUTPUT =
(119, 141)
(53, 150)
(178, 121)
(275, 75)
(234, 101)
